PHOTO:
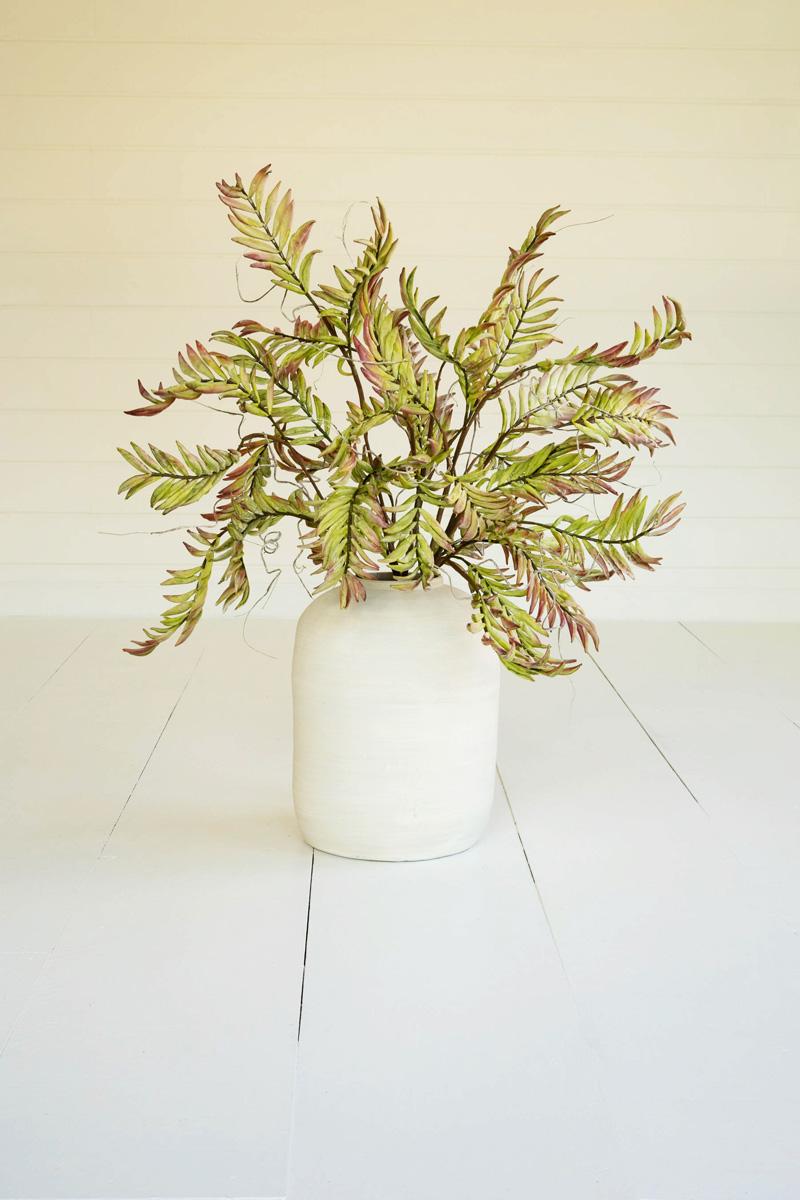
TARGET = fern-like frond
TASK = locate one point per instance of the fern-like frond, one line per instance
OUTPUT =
(601, 406)
(425, 322)
(201, 372)
(383, 350)
(347, 538)
(518, 638)
(520, 327)
(297, 412)
(307, 344)
(251, 472)
(599, 547)
(234, 580)
(420, 415)
(531, 246)
(253, 379)
(559, 470)
(413, 534)
(342, 454)
(277, 391)
(500, 333)
(252, 515)
(340, 305)
(668, 332)
(406, 549)
(186, 605)
(545, 580)
(424, 318)
(476, 508)
(552, 605)
(545, 403)
(249, 511)
(263, 221)
(622, 412)
(177, 480)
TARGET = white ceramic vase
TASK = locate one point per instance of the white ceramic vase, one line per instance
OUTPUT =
(395, 724)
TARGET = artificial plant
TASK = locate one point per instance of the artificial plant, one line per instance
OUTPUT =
(481, 508)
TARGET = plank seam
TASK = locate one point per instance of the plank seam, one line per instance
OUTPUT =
(552, 98)
(725, 662)
(532, 875)
(648, 735)
(150, 755)
(53, 674)
(305, 945)
(700, 640)
(446, 44)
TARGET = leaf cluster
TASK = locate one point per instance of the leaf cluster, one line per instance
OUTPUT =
(514, 512)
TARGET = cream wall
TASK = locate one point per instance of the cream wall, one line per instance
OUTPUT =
(670, 131)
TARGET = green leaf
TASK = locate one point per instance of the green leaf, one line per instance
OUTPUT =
(347, 538)
(517, 328)
(518, 639)
(425, 322)
(341, 305)
(559, 470)
(201, 372)
(185, 607)
(412, 535)
(177, 480)
(263, 224)
(600, 547)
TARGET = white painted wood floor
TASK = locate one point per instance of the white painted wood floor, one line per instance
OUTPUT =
(600, 1002)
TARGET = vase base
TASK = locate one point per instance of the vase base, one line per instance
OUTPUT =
(373, 854)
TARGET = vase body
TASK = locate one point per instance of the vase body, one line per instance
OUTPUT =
(395, 724)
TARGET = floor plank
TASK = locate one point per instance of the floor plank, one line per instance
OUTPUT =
(687, 981)
(162, 1029)
(737, 754)
(766, 657)
(71, 758)
(18, 972)
(32, 651)
(440, 1052)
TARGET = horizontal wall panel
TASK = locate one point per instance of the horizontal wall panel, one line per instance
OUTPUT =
(98, 279)
(61, 384)
(771, 543)
(435, 228)
(93, 436)
(724, 493)
(91, 488)
(666, 578)
(421, 184)
(133, 591)
(515, 72)
(60, 538)
(716, 23)
(85, 384)
(482, 126)
(52, 332)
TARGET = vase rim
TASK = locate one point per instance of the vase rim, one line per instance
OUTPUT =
(386, 577)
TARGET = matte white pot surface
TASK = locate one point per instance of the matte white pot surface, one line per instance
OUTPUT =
(395, 724)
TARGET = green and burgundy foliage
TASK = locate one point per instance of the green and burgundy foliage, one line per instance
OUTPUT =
(492, 508)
